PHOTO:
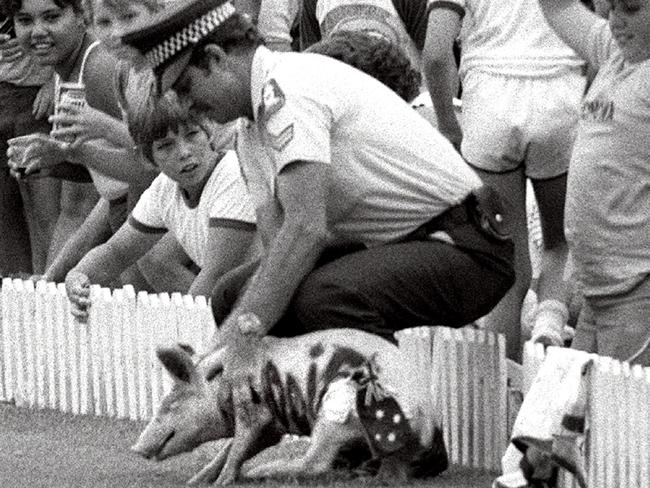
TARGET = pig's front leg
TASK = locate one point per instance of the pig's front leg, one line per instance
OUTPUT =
(254, 431)
(211, 471)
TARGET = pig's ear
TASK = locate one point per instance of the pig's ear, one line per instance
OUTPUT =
(187, 348)
(178, 362)
(213, 364)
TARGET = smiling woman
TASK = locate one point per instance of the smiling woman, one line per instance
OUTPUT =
(52, 31)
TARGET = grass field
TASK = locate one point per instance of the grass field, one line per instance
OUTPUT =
(45, 449)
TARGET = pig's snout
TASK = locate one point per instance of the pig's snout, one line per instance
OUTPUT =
(150, 450)
(142, 451)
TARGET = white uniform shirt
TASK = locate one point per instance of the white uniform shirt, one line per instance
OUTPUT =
(224, 202)
(509, 38)
(390, 170)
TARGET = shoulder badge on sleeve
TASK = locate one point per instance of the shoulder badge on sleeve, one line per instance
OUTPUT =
(280, 140)
(272, 100)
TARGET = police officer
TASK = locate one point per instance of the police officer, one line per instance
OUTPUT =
(369, 216)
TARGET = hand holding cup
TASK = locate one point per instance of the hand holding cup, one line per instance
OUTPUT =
(32, 153)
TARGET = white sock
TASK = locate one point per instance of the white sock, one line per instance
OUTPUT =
(550, 318)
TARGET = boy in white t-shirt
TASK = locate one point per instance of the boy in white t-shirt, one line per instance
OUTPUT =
(200, 197)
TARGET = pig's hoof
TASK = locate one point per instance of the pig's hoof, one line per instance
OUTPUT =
(226, 478)
(201, 478)
(267, 470)
(284, 468)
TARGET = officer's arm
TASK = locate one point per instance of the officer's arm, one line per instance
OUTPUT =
(292, 252)
(227, 248)
(440, 69)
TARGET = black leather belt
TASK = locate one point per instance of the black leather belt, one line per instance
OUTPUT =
(482, 208)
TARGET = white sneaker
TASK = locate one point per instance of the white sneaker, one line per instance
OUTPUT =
(515, 479)
(550, 319)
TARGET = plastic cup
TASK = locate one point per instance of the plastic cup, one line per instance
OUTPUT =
(69, 94)
(18, 146)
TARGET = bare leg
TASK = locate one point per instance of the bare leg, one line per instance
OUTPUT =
(41, 198)
(551, 288)
(77, 201)
(505, 317)
(210, 471)
(550, 196)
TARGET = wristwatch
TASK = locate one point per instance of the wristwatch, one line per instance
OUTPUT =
(250, 324)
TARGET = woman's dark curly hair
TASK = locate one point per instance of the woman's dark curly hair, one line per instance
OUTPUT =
(374, 56)
(9, 8)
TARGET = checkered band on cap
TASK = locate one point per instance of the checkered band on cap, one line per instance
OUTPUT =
(192, 33)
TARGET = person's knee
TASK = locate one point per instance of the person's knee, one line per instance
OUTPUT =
(314, 301)
(322, 302)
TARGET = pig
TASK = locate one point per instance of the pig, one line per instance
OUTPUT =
(319, 384)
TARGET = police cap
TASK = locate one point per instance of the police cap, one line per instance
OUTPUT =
(166, 41)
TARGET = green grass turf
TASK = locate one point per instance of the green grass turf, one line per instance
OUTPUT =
(46, 449)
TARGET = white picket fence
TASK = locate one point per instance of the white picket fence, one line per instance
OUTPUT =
(463, 375)
(108, 367)
(618, 416)
(103, 367)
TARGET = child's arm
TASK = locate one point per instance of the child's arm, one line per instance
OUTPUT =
(94, 231)
(440, 68)
(167, 267)
(124, 164)
(275, 21)
(88, 123)
(120, 163)
(227, 249)
(579, 28)
(104, 263)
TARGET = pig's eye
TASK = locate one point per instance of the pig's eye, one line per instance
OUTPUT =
(213, 373)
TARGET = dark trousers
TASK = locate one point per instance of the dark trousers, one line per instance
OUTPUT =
(419, 281)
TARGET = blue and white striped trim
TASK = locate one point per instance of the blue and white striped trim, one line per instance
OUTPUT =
(190, 34)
